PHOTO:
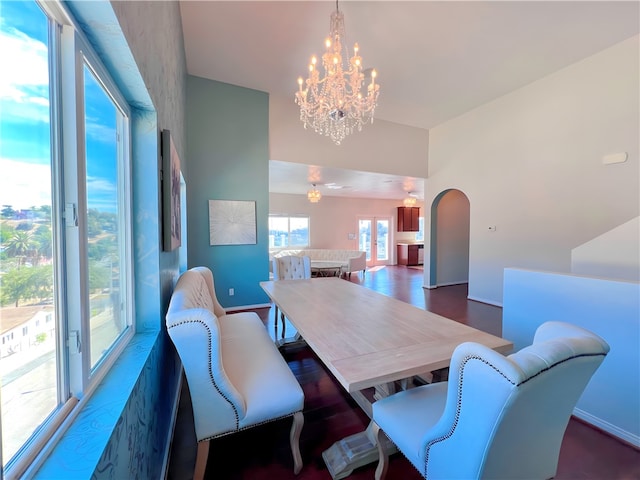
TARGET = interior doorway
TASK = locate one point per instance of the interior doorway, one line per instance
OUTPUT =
(374, 237)
(450, 231)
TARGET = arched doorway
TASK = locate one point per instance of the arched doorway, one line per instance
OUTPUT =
(449, 252)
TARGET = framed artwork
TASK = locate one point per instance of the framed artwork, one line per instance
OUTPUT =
(232, 222)
(171, 236)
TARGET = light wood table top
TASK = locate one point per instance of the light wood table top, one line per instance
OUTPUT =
(366, 338)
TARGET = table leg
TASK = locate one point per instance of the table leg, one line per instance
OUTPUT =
(296, 340)
(275, 321)
(361, 448)
(354, 451)
(275, 326)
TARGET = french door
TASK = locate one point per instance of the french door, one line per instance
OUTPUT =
(374, 237)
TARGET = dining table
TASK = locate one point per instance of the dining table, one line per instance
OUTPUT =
(370, 342)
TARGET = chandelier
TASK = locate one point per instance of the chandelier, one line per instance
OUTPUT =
(409, 202)
(314, 195)
(337, 104)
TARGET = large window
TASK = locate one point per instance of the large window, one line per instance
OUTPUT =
(65, 235)
(420, 232)
(288, 231)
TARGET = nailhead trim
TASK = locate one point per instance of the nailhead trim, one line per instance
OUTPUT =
(211, 377)
(202, 295)
(459, 402)
(249, 426)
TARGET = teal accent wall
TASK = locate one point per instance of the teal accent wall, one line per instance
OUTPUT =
(122, 432)
(228, 150)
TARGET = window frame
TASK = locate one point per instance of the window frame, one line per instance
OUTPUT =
(420, 232)
(68, 53)
(288, 218)
(86, 380)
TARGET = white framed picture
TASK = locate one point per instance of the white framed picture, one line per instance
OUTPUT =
(232, 222)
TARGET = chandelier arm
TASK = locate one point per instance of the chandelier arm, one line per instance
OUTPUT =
(336, 104)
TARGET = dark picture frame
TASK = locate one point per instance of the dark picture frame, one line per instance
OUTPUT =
(171, 221)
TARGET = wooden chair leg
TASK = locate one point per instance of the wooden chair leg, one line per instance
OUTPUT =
(294, 440)
(383, 459)
(283, 324)
(201, 460)
(275, 321)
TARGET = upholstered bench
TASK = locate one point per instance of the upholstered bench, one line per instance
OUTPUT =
(236, 376)
(350, 260)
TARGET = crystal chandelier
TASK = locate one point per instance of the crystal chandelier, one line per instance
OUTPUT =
(409, 202)
(336, 104)
(314, 195)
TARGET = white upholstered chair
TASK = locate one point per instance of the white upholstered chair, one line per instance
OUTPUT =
(236, 376)
(289, 267)
(496, 417)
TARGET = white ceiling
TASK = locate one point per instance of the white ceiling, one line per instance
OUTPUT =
(295, 178)
(435, 60)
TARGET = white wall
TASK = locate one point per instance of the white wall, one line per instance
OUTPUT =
(334, 218)
(530, 164)
(608, 308)
(614, 254)
(382, 147)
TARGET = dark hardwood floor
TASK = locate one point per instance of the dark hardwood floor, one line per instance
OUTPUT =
(330, 414)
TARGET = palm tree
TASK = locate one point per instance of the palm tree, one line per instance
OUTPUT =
(7, 211)
(44, 212)
(20, 244)
(42, 240)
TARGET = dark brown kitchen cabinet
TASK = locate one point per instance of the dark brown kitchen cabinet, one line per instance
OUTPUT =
(409, 254)
(408, 219)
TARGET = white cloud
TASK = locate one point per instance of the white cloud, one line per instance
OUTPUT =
(96, 130)
(16, 48)
(24, 184)
(99, 186)
(24, 90)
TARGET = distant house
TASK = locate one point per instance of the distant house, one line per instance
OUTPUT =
(20, 336)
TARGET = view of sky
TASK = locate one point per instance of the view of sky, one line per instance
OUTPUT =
(25, 154)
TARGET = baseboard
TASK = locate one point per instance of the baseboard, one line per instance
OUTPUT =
(622, 435)
(484, 300)
(247, 307)
(174, 417)
(448, 284)
(469, 297)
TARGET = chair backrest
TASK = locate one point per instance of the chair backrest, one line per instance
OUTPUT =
(505, 417)
(195, 289)
(291, 267)
(192, 324)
